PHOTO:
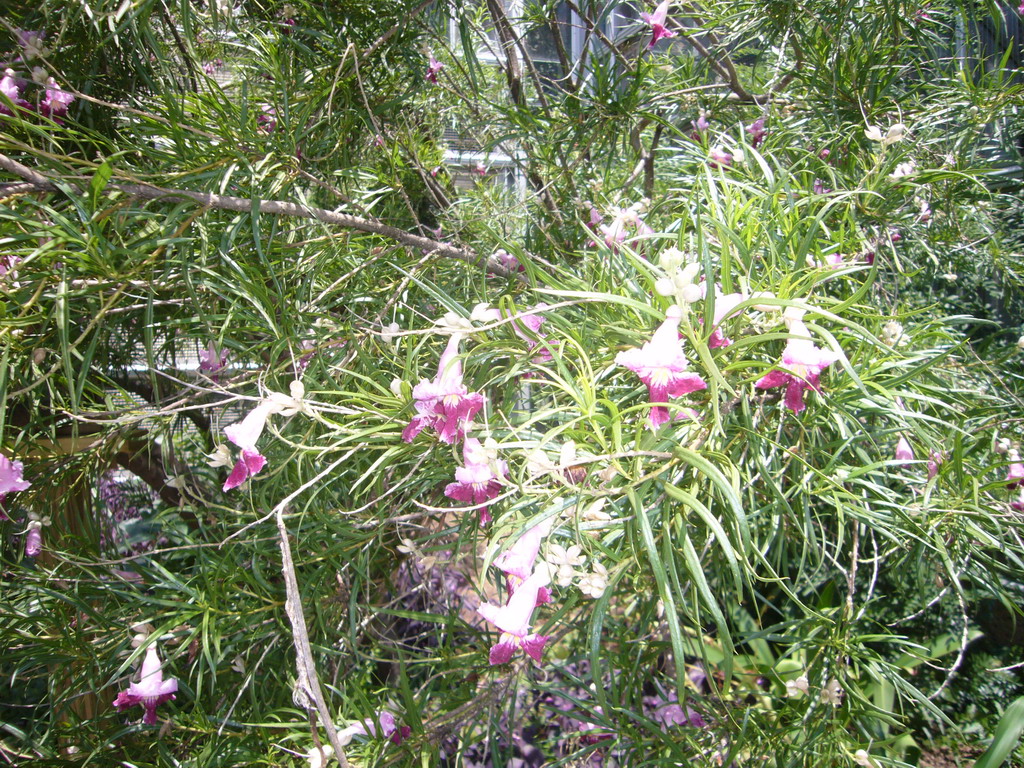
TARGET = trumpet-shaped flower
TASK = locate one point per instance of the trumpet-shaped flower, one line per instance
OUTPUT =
(246, 432)
(212, 360)
(513, 619)
(904, 453)
(34, 538)
(656, 21)
(480, 480)
(662, 366)
(444, 403)
(9, 87)
(433, 68)
(800, 368)
(11, 480)
(518, 560)
(56, 103)
(725, 306)
(151, 690)
(384, 725)
(757, 131)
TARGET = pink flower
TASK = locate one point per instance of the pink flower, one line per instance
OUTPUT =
(476, 482)
(719, 158)
(656, 21)
(725, 305)
(518, 560)
(244, 434)
(211, 360)
(266, 120)
(444, 403)
(389, 728)
(151, 690)
(11, 480)
(623, 220)
(34, 538)
(700, 127)
(480, 169)
(507, 261)
(433, 68)
(9, 87)
(935, 460)
(56, 103)
(904, 452)
(662, 366)
(1015, 472)
(800, 368)
(757, 132)
(514, 621)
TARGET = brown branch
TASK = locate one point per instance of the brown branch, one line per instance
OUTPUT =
(307, 692)
(271, 207)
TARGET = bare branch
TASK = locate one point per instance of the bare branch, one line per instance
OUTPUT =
(271, 207)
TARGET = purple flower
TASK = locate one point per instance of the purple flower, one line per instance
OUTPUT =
(719, 158)
(669, 713)
(444, 403)
(34, 538)
(656, 21)
(476, 482)
(266, 120)
(211, 360)
(514, 621)
(433, 68)
(389, 728)
(151, 690)
(31, 43)
(800, 368)
(935, 460)
(480, 169)
(506, 260)
(904, 452)
(55, 105)
(757, 132)
(11, 480)
(662, 366)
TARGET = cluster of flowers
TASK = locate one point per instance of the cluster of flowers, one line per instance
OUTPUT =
(55, 101)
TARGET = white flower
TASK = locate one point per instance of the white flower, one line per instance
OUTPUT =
(894, 134)
(221, 457)
(665, 287)
(832, 692)
(389, 332)
(396, 386)
(564, 562)
(671, 259)
(595, 513)
(595, 583)
(40, 75)
(861, 757)
(893, 335)
(1020, 343)
(903, 169)
(798, 687)
(451, 321)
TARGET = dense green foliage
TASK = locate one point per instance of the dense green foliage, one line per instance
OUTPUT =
(242, 198)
